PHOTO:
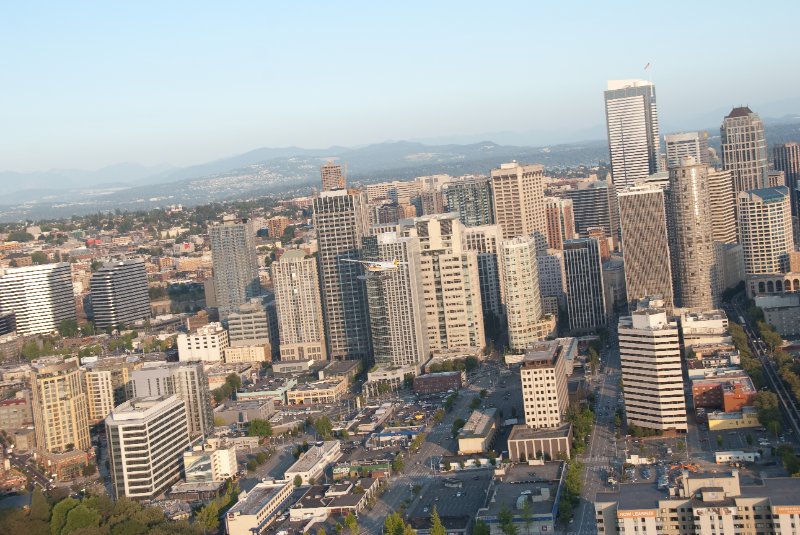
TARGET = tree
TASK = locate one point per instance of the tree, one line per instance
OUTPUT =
(38, 257)
(352, 523)
(719, 440)
(397, 463)
(20, 236)
(40, 507)
(259, 428)
(321, 531)
(261, 457)
(59, 518)
(80, 517)
(527, 515)
(68, 328)
(234, 381)
(437, 528)
(208, 517)
(323, 427)
(457, 425)
(129, 527)
(481, 528)
(252, 465)
(298, 480)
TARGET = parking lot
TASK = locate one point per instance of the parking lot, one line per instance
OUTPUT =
(451, 499)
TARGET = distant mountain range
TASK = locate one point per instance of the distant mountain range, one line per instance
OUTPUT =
(130, 186)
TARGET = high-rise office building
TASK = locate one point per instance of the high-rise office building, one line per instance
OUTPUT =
(332, 176)
(650, 356)
(60, 407)
(727, 251)
(485, 241)
(340, 219)
(450, 284)
(119, 294)
(146, 440)
(472, 200)
(523, 299)
(248, 325)
(786, 158)
(560, 221)
(594, 205)
(186, 380)
(41, 296)
(765, 230)
(396, 302)
(543, 374)
(744, 149)
(519, 201)
(233, 255)
(694, 144)
(692, 242)
(632, 125)
(584, 281)
(552, 281)
(299, 307)
(645, 244)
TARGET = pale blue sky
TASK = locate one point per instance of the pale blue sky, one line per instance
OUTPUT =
(87, 84)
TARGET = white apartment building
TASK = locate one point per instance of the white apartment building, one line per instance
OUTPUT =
(650, 355)
(206, 344)
(312, 464)
(257, 508)
(544, 385)
(40, 296)
(146, 440)
(485, 241)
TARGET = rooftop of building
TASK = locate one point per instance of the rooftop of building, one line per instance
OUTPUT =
(334, 496)
(317, 385)
(257, 498)
(728, 379)
(740, 111)
(705, 315)
(205, 330)
(479, 424)
(542, 354)
(523, 432)
(539, 483)
(310, 458)
(141, 408)
(228, 368)
(633, 496)
(341, 367)
(768, 195)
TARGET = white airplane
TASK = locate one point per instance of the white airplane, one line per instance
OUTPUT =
(377, 266)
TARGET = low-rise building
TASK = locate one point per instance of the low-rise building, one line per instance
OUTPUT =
(254, 353)
(477, 434)
(209, 462)
(317, 393)
(15, 412)
(242, 412)
(727, 391)
(525, 443)
(433, 383)
(707, 327)
(206, 344)
(218, 374)
(341, 369)
(376, 469)
(257, 508)
(723, 421)
(291, 366)
(313, 462)
(320, 502)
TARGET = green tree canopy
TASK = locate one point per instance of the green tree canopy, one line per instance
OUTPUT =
(80, 517)
(259, 428)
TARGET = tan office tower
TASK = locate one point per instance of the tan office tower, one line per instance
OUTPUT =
(519, 201)
(650, 355)
(744, 149)
(341, 222)
(692, 245)
(526, 326)
(299, 307)
(450, 283)
(332, 176)
(645, 244)
(727, 251)
(545, 396)
(60, 407)
(560, 221)
(485, 241)
(765, 228)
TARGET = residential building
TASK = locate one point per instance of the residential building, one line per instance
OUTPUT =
(146, 439)
(552, 280)
(248, 325)
(312, 464)
(332, 176)
(632, 124)
(786, 158)
(206, 344)
(692, 242)
(525, 321)
(40, 296)
(545, 398)
(108, 384)
(694, 144)
(650, 355)
(187, 381)
(119, 294)
(396, 302)
(432, 383)
(340, 219)
(485, 241)
(15, 413)
(60, 407)
(471, 199)
(519, 201)
(584, 282)
(645, 243)
(560, 221)
(233, 254)
(728, 254)
(277, 225)
(765, 230)
(257, 508)
(744, 149)
(397, 191)
(431, 202)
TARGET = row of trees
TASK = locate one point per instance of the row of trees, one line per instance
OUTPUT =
(466, 364)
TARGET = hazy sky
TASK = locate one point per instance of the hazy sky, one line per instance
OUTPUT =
(87, 84)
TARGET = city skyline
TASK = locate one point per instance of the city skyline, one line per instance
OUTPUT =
(159, 102)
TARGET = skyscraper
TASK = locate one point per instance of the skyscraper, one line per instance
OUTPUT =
(593, 205)
(450, 284)
(340, 219)
(744, 149)
(40, 296)
(396, 302)
(119, 294)
(187, 381)
(332, 176)
(650, 356)
(300, 324)
(632, 124)
(786, 158)
(727, 250)
(765, 230)
(60, 407)
(485, 241)
(645, 244)
(584, 280)
(560, 221)
(519, 201)
(472, 200)
(692, 242)
(526, 324)
(694, 144)
(233, 254)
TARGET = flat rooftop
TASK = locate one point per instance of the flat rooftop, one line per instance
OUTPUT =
(317, 385)
(523, 432)
(538, 482)
(634, 496)
(479, 424)
(257, 498)
(310, 458)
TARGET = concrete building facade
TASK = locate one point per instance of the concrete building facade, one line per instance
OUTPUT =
(519, 201)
